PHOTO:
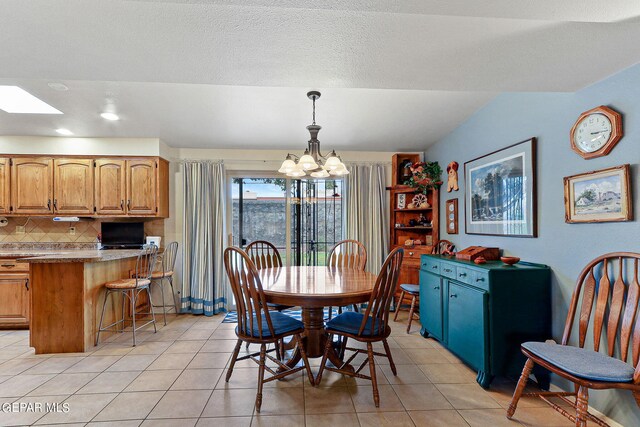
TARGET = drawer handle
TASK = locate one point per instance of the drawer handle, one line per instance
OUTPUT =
(410, 253)
(447, 271)
(435, 267)
(462, 274)
(453, 296)
(436, 287)
(7, 265)
(480, 279)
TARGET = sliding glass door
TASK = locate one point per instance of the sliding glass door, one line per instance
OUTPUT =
(302, 218)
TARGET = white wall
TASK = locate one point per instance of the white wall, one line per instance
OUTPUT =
(51, 145)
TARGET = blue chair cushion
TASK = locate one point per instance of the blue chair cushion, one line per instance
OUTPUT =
(412, 289)
(281, 325)
(349, 322)
(582, 363)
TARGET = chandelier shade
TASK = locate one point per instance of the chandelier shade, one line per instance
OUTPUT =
(312, 161)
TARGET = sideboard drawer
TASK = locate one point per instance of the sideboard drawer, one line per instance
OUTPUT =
(465, 275)
(431, 265)
(448, 270)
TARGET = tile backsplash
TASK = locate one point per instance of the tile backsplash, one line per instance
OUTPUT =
(46, 230)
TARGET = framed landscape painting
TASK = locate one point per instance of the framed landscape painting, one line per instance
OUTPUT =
(598, 196)
(500, 197)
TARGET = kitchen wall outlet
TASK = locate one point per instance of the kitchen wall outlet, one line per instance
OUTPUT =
(72, 231)
(19, 229)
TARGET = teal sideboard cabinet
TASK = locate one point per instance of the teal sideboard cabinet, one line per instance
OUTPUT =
(482, 313)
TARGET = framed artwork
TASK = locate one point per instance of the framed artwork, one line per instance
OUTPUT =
(598, 196)
(451, 212)
(500, 197)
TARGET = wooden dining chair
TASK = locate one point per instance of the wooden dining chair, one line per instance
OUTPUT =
(258, 325)
(368, 327)
(606, 296)
(440, 246)
(265, 255)
(347, 254)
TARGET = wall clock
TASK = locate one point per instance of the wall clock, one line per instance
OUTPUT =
(451, 212)
(596, 132)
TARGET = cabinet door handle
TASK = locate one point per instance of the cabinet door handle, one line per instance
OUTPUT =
(453, 296)
(122, 204)
(26, 283)
(462, 274)
(49, 204)
(55, 204)
(128, 204)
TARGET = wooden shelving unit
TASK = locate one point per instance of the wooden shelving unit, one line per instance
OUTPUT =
(410, 269)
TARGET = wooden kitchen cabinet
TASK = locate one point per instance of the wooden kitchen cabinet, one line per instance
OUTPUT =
(14, 295)
(32, 185)
(87, 187)
(73, 186)
(110, 187)
(5, 179)
(142, 196)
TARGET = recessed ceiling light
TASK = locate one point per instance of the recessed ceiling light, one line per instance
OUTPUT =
(16, 100)
(58, 86)
(65, 132)
(110, 116)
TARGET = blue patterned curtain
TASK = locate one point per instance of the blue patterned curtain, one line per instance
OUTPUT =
(204, 288)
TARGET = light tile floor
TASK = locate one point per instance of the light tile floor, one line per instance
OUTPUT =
(176, 378)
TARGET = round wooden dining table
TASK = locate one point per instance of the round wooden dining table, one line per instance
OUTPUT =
(313, 288)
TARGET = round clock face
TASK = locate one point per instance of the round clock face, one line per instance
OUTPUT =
(592, 133)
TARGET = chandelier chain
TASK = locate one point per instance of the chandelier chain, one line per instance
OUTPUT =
(314, 109)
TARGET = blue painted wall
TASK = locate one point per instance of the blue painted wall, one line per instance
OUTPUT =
(514, 117)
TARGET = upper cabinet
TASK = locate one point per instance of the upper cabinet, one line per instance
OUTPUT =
(142, 192)
(102, 187)
(110, 187)
(73, 186)
(5, 179)
(32, 186)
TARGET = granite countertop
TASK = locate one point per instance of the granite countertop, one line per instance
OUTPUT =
(67, 255)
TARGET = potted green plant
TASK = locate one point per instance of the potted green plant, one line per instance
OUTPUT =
(425, 175)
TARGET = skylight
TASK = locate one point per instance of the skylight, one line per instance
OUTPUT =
(16, 100)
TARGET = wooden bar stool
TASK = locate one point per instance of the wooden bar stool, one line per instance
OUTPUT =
(131, 289)
(414, 291)
(168, 262)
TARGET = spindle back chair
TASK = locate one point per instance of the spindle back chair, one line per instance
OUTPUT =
(606, 299)
(368, 327)
(256, 324)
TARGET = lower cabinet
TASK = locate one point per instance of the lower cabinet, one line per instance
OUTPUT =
(14, 295)
(482, 313)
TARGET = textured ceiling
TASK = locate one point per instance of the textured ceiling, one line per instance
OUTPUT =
(214, 73)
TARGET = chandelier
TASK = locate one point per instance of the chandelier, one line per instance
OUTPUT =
(312, 161)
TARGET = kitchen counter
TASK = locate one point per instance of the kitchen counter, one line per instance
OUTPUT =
(68, 255)
(66, 287)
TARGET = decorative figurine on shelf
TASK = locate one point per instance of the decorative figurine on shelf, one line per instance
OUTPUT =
(399, 225)
(417, 242)
(413, 222)
(409, 243)
(405, 170)
(423, 221)
(424, 176)
(452, 179)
